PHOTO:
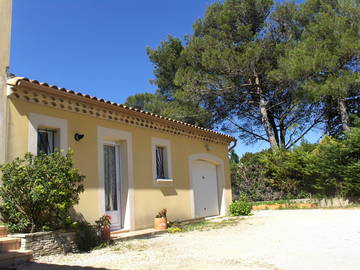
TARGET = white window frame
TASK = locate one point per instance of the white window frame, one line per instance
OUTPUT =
(168, 164)
(37, 121)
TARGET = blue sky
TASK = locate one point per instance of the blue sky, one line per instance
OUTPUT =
(98, 47)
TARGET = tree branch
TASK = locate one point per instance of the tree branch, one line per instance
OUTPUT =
(248, 131)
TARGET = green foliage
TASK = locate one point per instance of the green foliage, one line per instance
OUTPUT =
(241, 207)
(86, 237)
(287, 171)
(227, 62)
(103, 222)
(326, 58)
(261, 71)
(181, 107)
(330, 168)
(38, 191)
(170, 100)
(248, 176)
(147, 101)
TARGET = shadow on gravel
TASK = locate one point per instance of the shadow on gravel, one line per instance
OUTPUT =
(45, 266)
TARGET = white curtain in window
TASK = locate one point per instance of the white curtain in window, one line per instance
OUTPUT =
(160, 162)
(110, 178)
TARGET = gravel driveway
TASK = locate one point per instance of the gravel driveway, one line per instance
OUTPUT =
(279, 240)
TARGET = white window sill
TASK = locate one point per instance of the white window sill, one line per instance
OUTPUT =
(167, 180)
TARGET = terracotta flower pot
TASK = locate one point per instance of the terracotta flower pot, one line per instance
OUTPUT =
(160, 223)
(105, 233)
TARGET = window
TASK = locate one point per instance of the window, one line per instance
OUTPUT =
(46, 134)
(46, 141)
(160, 159)
(161, 154)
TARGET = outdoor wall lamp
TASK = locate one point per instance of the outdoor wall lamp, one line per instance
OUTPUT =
(78, 136)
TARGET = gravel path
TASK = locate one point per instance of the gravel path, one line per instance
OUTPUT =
(268, 240)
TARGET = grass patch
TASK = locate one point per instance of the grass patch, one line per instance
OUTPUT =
(135, 245)
(273, 202)
(205, 225)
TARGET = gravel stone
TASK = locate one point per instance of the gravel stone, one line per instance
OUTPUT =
(268, 240)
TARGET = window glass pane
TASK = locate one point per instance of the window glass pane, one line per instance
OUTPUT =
(111, 193)
(46, 141)
(160, 171)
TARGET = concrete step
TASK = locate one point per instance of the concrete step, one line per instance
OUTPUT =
(13, 257)
(9, 243)
(140, 234)
(3, 231)
(114, 233)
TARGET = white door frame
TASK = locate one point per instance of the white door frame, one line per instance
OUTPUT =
(116, 214)
(124, 139)
(220, 180)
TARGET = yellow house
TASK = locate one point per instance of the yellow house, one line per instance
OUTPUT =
(135, 162)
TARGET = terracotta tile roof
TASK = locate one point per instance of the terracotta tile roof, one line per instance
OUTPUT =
(15, 81)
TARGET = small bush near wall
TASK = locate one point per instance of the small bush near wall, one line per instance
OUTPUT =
(86, 237)
(38, 191)
(242, 207)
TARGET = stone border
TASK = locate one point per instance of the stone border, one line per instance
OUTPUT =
(47, 243)
(310, 203)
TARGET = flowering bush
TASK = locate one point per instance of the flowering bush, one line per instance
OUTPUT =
(161, 214)
(104, 221)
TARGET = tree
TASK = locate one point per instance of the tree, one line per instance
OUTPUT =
(227, 61)
(167, 60)
(147, 102)
(181, 108)
(170, 100)
(326, 59)
(37, 192)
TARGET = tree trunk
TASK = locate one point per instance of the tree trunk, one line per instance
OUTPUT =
(344, 116)
(32, 227)
(273, 127)
(282, 134)
(264, 115)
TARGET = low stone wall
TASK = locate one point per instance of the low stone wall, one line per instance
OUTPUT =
(284, 205)
(48, 243)
(310, 203)
(338, 202)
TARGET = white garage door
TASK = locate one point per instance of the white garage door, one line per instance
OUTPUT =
(204, 181)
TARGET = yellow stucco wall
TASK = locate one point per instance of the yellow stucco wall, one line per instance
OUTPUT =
(148, 198)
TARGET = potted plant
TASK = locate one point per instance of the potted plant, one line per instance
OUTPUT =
(103, 225)
(160, 221)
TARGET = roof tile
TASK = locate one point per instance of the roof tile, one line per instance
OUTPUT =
(17, 81)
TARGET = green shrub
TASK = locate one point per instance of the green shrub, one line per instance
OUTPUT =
(86, 237)
(330, 168)
(248, 176)
(38, 191)
(242, 207)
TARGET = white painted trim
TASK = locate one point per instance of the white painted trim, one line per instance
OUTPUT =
(123, 138)
(39, 120)
(220, 180)
(3, 119)
(167, 145)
